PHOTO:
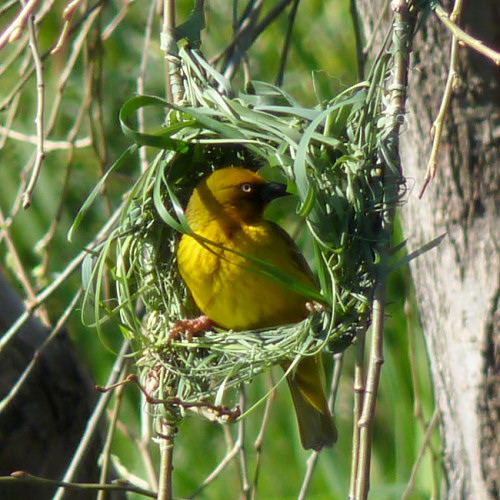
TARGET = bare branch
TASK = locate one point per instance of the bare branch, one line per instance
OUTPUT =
(40, 83)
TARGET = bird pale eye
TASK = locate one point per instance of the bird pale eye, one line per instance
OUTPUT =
(246, 187)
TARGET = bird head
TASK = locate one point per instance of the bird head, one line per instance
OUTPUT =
(232, 194)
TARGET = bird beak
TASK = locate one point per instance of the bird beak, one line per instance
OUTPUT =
(272, 190)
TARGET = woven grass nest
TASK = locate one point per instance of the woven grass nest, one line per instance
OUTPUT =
(332, 157)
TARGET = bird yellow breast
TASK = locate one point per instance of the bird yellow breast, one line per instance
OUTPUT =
(225, 287)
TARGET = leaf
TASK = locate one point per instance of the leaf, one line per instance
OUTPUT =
(160, 206)
(97, 189)
(192, 28)
(420, 251)
(160, 139)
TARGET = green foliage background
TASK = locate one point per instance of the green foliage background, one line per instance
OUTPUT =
(322, 61)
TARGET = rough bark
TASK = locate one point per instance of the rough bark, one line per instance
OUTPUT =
(458, 284)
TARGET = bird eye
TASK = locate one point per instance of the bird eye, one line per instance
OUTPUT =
(246, 187)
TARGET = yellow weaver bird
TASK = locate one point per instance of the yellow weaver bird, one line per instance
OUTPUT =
(226, 208)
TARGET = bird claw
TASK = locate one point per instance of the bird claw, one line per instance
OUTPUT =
(314, 307)
(190, 327)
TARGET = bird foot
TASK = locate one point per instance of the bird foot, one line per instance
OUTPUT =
(190, 327)
(314, 307)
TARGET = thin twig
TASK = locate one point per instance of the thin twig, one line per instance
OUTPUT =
(24, 477)
(143, 442)
(370, 394)
(175, 88)
(240, 459)
(20, 82)
(27, 72)
(403, 25)
(248, 32)
(74, 55)
(16, 58)
(286, 44)
(115, 23)
(36, 358)
(40, 84)
(360, 55)
(93, 55)
(232, 452)
(68, 12)
(310, 466)
(49, 145)
(61, 278)
(371, 40)
(141, 77)
(417, 411)
(245, 486)
(7, 5)
(166, 434)
(124, 473)
(42, 246)
(168, 40)
(240, 30)
(16, 206)
(437, 126)
(93, 421)
(18, 267)
(258, 444)
(15, 28)
(359, 391)
(465, 38)
(106, 450)
(423, 447)
(11, 114)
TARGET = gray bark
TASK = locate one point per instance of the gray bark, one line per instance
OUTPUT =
(458, 284)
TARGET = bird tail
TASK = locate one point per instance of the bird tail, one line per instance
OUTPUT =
(316, 425)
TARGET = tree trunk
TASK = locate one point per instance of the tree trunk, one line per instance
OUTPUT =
(458, 284)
